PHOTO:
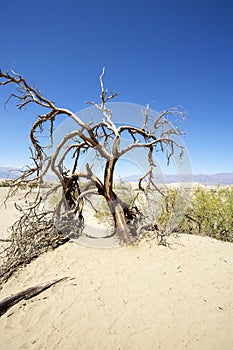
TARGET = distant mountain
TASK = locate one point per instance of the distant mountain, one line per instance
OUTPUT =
(12, 173)
(9, 172)
(215, 179)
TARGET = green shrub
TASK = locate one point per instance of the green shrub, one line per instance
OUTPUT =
(210, 213)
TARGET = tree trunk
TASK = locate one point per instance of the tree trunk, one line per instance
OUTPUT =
(114, 203)
(120, 222)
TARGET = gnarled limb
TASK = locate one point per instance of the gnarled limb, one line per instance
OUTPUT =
(156, 134)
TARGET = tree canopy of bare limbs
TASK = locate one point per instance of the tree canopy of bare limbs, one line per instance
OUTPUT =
(155, 134)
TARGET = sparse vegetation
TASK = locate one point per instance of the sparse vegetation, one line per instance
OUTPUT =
(209, 212)
(5, 183)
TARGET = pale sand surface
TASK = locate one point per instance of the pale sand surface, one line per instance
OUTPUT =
(146, 297)
(8, 213)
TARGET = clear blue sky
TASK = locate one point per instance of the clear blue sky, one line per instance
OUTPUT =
(176, 52)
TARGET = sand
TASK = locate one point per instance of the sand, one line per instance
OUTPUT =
(8, 213)
(146, 297)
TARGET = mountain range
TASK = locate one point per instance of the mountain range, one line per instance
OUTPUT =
(9, 172)
(222, 179)
(214, 179)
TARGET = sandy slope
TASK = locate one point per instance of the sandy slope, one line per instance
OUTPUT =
(147, 297)
(130, 298)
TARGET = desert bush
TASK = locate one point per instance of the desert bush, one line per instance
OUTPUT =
(167, 206)
(211, 213)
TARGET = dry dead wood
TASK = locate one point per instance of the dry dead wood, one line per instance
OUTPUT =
(26, 294)
(103, 137)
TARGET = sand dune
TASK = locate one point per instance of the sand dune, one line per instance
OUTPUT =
(146, 297)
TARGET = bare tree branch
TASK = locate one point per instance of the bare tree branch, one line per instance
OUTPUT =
(156, 134)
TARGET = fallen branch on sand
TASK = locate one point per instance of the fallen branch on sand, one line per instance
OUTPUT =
(26, 294)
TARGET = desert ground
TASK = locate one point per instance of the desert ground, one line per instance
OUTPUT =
(142, 297)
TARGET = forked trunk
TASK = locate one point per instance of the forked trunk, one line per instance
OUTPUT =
(121, 226)
(114, 204)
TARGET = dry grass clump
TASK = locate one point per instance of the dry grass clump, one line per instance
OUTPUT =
(30, 237)
(5, 183)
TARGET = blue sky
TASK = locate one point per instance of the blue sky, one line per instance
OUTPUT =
(160, 52)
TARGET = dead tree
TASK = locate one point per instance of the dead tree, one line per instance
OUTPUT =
(104, 137)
